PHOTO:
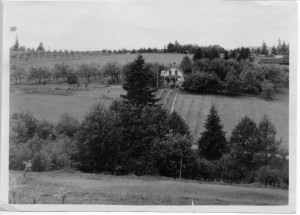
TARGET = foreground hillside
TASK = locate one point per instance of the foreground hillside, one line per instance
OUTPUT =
(133, 190)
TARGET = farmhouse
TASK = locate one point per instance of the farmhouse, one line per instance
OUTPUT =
(172, 76)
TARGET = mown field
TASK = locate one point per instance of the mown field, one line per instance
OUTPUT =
(82, 188)
(100, 59)
(195, 108)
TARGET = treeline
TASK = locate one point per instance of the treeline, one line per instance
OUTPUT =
(282, 48)
(135, 136)
(232, 76)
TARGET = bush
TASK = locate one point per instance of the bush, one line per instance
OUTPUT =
(201, 82)
(268, 176)
(67, 125)
(249, 82)
(72, 79)
(268, 88)
(17, 154)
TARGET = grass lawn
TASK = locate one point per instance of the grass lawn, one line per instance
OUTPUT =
(133, 190)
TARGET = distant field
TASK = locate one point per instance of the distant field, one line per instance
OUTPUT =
(133, 190)
(101, 59)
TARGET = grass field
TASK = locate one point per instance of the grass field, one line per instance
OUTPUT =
(195, 108)
(100, 59)
(133, 190)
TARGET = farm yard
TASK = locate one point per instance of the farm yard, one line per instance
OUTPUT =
(84, 188)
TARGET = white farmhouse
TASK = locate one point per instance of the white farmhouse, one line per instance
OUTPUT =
(172, 76)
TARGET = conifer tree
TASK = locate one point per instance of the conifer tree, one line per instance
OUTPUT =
(137, 80)
(212, 144)
(264, 49)
(274, 51)
(279, 46)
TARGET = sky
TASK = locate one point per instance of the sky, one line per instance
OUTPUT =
(116, 24)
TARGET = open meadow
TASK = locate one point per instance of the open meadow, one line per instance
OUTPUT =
(83, 188)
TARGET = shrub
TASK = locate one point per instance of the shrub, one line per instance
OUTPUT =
(17, 154)
(249, 82)
(72, 79)
(268, 176)
(268, 88)
(201, 82)
(67, 125)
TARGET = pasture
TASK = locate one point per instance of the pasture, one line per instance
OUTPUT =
(83, 188)
(99, 59)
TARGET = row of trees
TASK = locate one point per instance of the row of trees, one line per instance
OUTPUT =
(281, 49)
(232, 76)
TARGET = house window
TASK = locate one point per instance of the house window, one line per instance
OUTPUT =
(170, 72)
(176, 72)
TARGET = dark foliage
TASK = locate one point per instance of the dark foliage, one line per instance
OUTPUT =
(212, 144)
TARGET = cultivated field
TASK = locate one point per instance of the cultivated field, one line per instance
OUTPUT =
(100, 59)
(133, 190)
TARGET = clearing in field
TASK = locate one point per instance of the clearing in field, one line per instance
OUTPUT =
(83, 188)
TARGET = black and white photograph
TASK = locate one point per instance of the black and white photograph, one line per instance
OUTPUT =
(149, 103)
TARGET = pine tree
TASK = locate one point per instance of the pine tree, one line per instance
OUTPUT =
(16, 46)
(137, 84)
(212, 144)
(284, 48)
(41, 47)
(279, 47)
(274, 51)
(264, 49)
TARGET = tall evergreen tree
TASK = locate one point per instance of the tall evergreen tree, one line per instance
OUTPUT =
(284, 48)
(279, 46)
(137, 84)
(16, 46)
(212, 144)
(274, 51)
(264, 49)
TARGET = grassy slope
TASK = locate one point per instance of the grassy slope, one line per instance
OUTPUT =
(145, 190)
(195, 108)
